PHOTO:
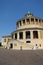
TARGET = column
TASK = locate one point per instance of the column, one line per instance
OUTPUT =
(38, 21)
(31, 34)
(34, 20)
(30, 20)
(39, 34)
(22, 22)
(18, 36)
(24, 35)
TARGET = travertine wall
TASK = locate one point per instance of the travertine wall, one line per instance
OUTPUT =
(29, 26)
(4, 43)
(41, 34)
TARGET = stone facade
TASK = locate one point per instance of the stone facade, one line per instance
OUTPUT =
(28, 34)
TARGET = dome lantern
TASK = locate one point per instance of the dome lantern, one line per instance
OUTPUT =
(28, 14)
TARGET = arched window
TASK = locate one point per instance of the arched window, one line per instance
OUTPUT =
(35, 34)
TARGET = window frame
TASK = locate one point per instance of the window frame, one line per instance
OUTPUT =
(28, 35)
(35, 34)
(15, 35)
(23, 21)
(20, 35)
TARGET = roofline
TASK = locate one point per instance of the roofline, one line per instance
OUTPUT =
(6, 36)
(29, 17)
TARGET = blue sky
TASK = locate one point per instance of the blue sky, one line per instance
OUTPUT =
(12, 10)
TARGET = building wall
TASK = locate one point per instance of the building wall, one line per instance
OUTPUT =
(29, 26)
(41, 34)
(5, 41)
(18, 43)
(25, 45)
(32, 24)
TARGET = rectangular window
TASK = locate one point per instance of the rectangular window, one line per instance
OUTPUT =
(39, 20)
(23, 21)
(36, 20)
(32, 19)
(35, 34)
(15, 35)
(27, 34)
(28, 21)
(21, 35)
